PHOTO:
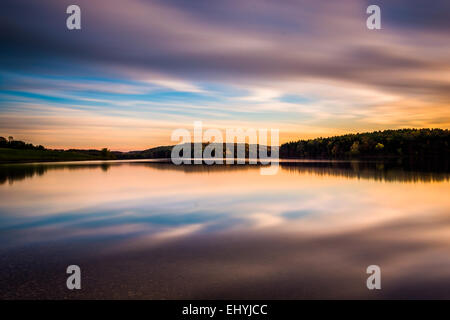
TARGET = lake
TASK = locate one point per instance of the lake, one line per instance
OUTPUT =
(150, 230)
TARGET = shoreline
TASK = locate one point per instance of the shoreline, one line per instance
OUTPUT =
(280, 160)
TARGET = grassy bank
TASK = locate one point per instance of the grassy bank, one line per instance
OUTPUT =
(25, 155)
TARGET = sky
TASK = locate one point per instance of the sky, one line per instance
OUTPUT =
(139, 69)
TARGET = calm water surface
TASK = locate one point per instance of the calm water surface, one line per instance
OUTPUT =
(159, 231)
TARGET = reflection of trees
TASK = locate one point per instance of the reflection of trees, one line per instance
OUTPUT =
(380, 171)
(198, 168)
(12, 173)
(105, 167)
(17, 172)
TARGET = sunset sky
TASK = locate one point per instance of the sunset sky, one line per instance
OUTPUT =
(139, 69)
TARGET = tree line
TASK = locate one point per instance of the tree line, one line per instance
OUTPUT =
(415, 143)
(17, 144)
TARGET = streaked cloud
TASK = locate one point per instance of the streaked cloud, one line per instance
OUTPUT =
(137, 69)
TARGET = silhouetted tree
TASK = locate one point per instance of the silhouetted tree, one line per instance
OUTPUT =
(388, 143)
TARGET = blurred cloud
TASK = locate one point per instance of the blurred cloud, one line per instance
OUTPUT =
(222, 62)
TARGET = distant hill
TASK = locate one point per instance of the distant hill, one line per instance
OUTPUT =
(165, 152)
(152, 153)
